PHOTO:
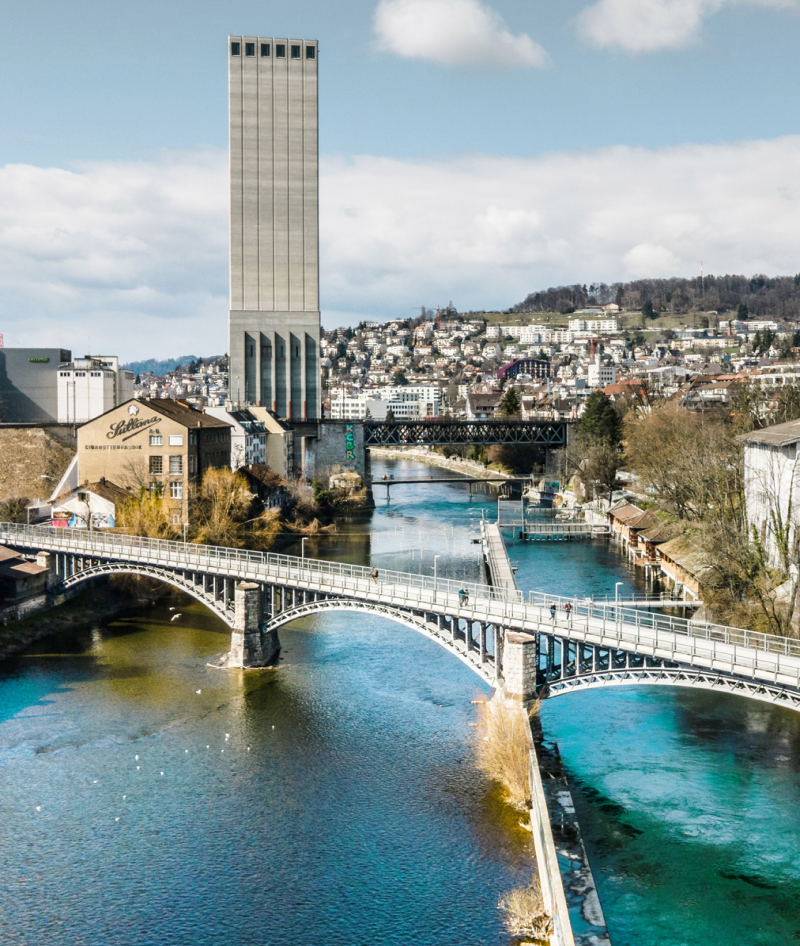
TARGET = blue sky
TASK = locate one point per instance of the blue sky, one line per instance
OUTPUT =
(471, 150)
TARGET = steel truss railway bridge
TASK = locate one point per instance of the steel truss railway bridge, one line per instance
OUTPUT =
(441, 432)
(511, 640)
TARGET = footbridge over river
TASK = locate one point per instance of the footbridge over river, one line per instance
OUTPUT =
(512, 640)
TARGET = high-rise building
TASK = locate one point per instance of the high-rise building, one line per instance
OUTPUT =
(274, 225)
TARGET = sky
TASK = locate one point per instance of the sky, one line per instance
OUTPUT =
(471, 151)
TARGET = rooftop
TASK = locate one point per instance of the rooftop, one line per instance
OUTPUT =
(778, 436)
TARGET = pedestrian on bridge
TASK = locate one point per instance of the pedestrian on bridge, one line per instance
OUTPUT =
(553, 609)
(374, 575)
(463, 596)
(568, 609)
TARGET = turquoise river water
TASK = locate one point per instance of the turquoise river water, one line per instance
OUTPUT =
(148, 799)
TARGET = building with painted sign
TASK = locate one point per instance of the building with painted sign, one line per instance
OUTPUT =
(274, 227)
(161, 445)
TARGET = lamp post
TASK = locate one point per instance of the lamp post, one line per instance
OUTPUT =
(303, 546)
(435, 558)
(616, 591)
(185, 528)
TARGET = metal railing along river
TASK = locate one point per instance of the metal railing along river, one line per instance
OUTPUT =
(630, 627)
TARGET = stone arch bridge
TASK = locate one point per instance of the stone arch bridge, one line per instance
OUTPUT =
(511, 640)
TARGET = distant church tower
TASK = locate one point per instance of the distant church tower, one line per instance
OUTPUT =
(274, 157)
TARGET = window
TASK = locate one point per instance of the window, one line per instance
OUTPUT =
(295, 52)
(156, 464)
(280, 50)
(311, 52)
(235, 47)
(265, 49)
(156, 440)
(249, 49)
(192, 463)
(176, 490)
(175, 465)
(176, 518)
(252, 348)
(193, 437)
(176, 440)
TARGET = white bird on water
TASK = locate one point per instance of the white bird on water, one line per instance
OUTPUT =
(198, 691)
(172, 609)
(175, 617)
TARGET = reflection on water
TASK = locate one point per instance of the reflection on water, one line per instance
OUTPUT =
(334, 799)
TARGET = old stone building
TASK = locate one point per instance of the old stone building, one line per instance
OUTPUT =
(155, 444)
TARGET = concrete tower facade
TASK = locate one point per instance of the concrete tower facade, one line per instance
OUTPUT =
(274, 225)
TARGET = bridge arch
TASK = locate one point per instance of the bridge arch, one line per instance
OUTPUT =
(486, 671)
(149, 571)
(685, 677)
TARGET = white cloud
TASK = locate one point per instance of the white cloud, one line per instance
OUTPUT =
(465, 34)
(486, 230)
(135, 255)
(131, 255)
(641, 26)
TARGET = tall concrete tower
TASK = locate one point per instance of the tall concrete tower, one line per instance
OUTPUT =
(274, 156)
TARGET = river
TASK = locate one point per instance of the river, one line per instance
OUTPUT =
(335, 799)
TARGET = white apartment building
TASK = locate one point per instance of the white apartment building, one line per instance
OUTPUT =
(771, 484)
(407, 402)
(593, 325)
(90, 386)
(600, 375)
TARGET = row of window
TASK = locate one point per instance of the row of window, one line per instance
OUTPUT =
(175, 464)
(175, 440)
(280, 50)
(175, 492)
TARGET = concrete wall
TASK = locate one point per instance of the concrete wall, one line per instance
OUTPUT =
(274, 225)
(339, 447)
(29, 384)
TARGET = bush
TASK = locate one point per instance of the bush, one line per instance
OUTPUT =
(525, 912)
(503, 748)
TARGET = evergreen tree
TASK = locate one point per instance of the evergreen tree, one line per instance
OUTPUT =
(511, 406)
(600, 421)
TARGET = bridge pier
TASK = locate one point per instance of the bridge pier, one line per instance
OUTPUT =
(250, 645)
(519, 666)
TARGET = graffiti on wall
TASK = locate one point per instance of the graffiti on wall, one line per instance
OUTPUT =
(349, 442)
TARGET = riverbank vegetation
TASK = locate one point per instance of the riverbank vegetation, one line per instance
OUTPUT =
(502, 748)
(689, 468)
(224, 511)
(525, 915)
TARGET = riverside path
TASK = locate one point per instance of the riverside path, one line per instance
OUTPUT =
(519, 643)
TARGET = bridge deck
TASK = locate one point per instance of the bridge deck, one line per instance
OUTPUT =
(748, 655)
(494, 549)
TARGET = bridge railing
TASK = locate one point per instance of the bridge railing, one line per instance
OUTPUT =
(629, 623)
(632, 620)
(189, 555)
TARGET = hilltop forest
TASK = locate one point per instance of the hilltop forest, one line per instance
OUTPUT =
(775, 297)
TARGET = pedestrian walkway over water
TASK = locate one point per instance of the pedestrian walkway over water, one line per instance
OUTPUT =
(496, 556)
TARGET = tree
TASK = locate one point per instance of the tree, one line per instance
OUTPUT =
(600, 421)
(399, 377)
(389, 415)
(221, 508)
(511, 406)
(600, 465)
(742, 312)
(647, 310)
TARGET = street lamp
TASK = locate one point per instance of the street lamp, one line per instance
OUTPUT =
(185, 528)
(303, 546)
(435, 557)
(616, 591)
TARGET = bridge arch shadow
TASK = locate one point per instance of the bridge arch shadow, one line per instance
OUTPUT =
(146, 571)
